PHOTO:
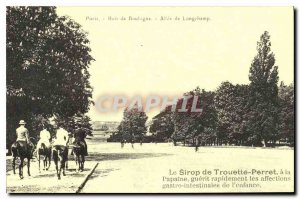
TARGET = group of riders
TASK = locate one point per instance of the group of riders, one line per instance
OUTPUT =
(57, 148)
(62, 137)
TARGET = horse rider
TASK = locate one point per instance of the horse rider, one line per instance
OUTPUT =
(44, 139)
(79, 135)
(22, 135)
(62, 137)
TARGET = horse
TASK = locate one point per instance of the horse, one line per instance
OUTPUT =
(79, 152)
(46, 152)
(22, 150)
(60, 156)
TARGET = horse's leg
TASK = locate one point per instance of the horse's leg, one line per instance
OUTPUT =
(39, 157)
(14, 164)
(56, 161)
(63, 168)
(82, 162)
(49, 159)
(21, 167)
(28, 166)
(75, 157)
(63, 165)
(66, 160)
(58, 169)
(79, 163)
(45, 162)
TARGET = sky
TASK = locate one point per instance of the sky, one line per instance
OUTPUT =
(171, 57)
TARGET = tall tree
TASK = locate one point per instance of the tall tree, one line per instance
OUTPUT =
(287, 114)
(46, 66)
(263, 100)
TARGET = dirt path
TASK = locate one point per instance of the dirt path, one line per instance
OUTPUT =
(142, 169)
(46, 181)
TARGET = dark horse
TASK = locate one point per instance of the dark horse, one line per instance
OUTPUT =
(60, 156)
(46, 152)
(79, 152)
(22, 150)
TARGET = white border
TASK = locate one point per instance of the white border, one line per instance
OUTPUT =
(5, 3)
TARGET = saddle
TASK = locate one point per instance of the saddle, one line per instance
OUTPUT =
(23, 147)
(21, 144)
(79, 147)
(59, 148)
(78, 143)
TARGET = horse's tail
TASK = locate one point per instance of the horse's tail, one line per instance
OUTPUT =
(15, 149)
(60, 153)
(43, 146)
(55, 155)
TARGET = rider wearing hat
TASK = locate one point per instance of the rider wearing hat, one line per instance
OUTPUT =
(22, 134)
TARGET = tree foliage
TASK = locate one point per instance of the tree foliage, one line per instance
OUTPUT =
(263, 99)
(287, 114)
(162, 125)
(256, 114)
(133, 126)
(47, 66)
(230, 102)
(184, 123)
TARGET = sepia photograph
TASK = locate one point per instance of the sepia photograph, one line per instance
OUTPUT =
(150, 100)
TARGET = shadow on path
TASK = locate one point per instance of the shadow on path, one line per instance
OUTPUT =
(101, 173)
(120, 156)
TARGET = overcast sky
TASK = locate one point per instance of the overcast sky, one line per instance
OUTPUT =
(173, 57)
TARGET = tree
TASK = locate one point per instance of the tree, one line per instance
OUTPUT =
(204, 125)
(262, 123)
(195, 125)
(46, 66)
(287, 114)
(230, 102)
(162, 126)
(183, 120)
(133, 126)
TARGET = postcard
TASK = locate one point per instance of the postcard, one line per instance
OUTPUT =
(150, 100)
